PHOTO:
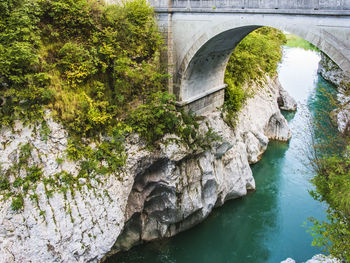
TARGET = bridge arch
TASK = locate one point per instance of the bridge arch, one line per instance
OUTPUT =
(202, 66)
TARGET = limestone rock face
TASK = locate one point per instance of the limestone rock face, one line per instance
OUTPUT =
(62, 228)
(173, 195)
(277, 128)
(158, 194)
(331, 72)
(285, 101)
(323, 259)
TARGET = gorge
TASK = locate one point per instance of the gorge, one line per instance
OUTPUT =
(159, 199)
(168, 200)
(97, 158)
(267, 225)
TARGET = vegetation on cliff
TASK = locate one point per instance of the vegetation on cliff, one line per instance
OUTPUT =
(331, 161)
(92, 67)
(82, 60)
(333, 187)
(255, 56)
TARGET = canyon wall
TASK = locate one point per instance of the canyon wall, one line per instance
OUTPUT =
(158, 194)
(332, 73)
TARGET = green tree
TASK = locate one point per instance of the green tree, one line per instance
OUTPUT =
(333, 187)
(86, 61)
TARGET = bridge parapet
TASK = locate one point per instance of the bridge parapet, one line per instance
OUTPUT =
(261, 6)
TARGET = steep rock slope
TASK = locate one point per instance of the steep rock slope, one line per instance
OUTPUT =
(158, 193)
(331, 72)
(175, 194)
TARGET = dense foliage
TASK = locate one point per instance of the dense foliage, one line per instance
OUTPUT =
(333, 187)
(159, 116)
(255, 56)
(331, 160)
(96, 68)
(81, 59)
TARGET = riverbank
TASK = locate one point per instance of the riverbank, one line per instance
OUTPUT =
(94, 154)
(332, 73)
(267, 225)
(172, 197)
(155, 187)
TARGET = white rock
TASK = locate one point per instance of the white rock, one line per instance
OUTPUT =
(277, 128)
(323, 259)
(176, 193)
(288, 260)
(29, 236)
(331, 72)
(160, 193)
(172, 148)
(285, 101)
(316, 259)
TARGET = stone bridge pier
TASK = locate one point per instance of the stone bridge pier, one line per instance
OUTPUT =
(201, 34)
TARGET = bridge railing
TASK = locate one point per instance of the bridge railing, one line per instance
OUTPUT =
(252, 4)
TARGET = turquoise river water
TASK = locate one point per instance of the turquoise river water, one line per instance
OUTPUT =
(267, 225)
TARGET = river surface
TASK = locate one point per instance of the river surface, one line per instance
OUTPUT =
(266, 226)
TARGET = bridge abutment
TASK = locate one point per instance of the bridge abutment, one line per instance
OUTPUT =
(205, 102)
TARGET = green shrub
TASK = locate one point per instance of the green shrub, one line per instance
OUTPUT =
(255, 56)
(21, 92)
(17, 202)
(25, 153)
(156, 118)
(76, 63)
(4, 184)
(333, 187)
(18, 182)
(159, 116)
(34, 174)
(83, 60)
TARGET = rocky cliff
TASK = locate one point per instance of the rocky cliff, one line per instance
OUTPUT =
(332, 73)
(158, 194)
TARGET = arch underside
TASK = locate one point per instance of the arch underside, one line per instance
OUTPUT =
(201, 71)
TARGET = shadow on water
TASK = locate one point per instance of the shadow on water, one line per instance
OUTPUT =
(326, 134)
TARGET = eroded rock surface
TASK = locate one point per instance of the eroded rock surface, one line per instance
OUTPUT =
(172, 196)
(285, 101)
(332, 73)
(75, 227)
(158, 194)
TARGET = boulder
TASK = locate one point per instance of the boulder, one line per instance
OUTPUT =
(277, 128)
(285, 101)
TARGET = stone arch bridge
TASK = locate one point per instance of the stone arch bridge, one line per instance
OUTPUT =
(201, 34)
